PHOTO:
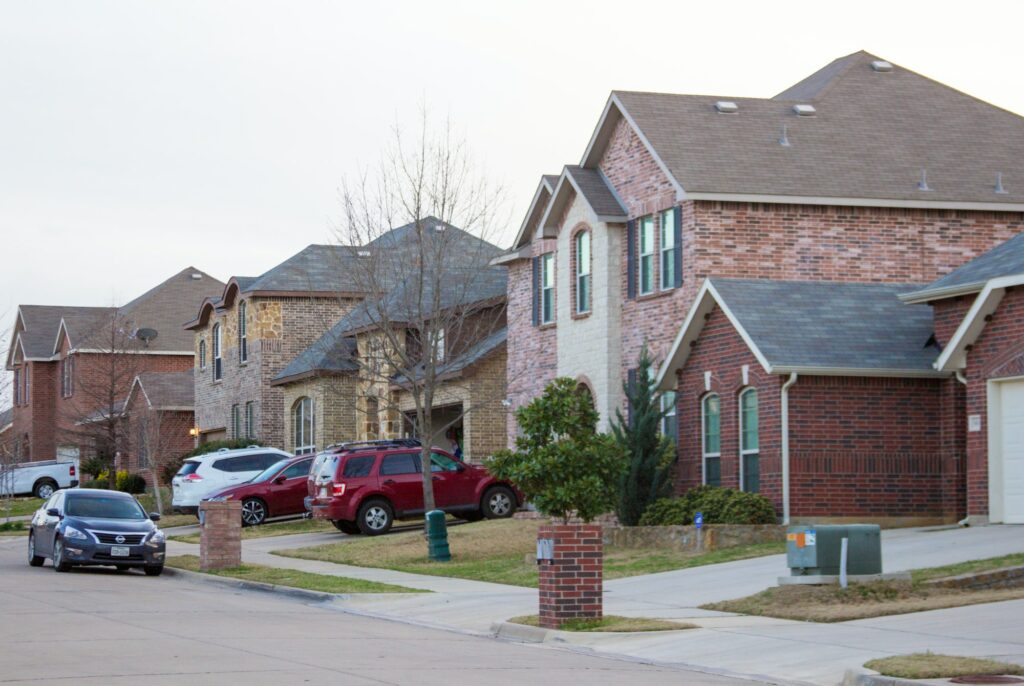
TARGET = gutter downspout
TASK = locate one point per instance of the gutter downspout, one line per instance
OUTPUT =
(959, 374)
(785, 446)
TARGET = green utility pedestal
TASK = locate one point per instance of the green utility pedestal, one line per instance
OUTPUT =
(437, 537)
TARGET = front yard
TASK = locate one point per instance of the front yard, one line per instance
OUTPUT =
(497, 551)
(300, 526)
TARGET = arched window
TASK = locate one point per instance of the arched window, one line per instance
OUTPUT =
(584, 392)
(202, 354)
(711, 439)
(582, 252)
(750, 463)
(304, 426)
(243, 337)
(218, 368)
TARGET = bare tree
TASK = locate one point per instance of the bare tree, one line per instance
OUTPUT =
(431, 294)
(155, 442)
(7, 453)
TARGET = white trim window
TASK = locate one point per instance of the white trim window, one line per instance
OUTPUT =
(582, 249)
(750, 461)
(243, 335)
(250, 419)
(547, 288)
(236, 422)
(304, 426)
(667, 227)
(711, 439)
(67, 377)
(202, 354)
(669, 425)
(646, 252)
(17, 386)
(218, 363)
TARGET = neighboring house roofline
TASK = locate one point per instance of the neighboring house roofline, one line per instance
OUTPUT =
(954, 355)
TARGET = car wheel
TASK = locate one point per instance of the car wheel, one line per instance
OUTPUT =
(345, 527)
(33, 559)
(153, 570)
(499, 502)
(375, 517)
(44, 489)
(59, 563)
(254, 512)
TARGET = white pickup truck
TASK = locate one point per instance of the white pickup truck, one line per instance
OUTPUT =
(40, 479)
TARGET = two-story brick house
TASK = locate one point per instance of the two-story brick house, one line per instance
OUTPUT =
(864, 172)
(70, 363)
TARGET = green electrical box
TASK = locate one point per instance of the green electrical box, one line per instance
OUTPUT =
(817, 550)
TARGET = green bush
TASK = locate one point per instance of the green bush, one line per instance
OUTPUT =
(131, 483)
(230, 444)
(94, 466)
(96, 483)
(717, 505)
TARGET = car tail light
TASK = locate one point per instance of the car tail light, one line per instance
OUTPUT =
(339, 489)
(71, 471)
(192, 477)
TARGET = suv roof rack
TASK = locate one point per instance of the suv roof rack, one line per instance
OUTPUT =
(382, 443)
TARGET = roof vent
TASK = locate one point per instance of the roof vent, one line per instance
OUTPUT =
(727, 107)
(881, 65)
(999, 184)
(784, 141)
(922, 185)
(363, 253)
(805, 110)
(196, 276)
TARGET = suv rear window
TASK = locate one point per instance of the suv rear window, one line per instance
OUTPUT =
(356, 467)
(246, 463)
(188, 468)
(402, 463)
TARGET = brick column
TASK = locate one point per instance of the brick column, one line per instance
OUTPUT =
(571, 587)
(220, 534)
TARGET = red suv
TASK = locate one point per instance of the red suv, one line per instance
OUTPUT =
(364, 487)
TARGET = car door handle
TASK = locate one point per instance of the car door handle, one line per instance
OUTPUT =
(388, 481)
(435, 478)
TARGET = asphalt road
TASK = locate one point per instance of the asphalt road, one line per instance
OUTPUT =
(103, 627)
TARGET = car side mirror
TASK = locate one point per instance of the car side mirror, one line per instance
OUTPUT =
(280, 480)
(53, 512)
(154, 516)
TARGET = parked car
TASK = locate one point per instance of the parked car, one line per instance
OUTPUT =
(364, 487)
(204, 475)
(40, 479)
(90, 526)
(277, 491)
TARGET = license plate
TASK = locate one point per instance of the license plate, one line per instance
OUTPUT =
(323, 492)
(120, 551)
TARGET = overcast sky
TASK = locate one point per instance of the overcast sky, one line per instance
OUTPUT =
(137, 138)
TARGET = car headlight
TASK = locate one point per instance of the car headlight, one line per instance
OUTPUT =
(72, 532)
(218, 498)
(158, 537)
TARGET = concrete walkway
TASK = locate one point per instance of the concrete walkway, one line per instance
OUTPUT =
(765, 648)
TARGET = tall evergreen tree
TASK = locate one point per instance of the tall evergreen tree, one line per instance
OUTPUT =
(649, 453)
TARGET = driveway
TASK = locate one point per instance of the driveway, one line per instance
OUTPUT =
(100, 627)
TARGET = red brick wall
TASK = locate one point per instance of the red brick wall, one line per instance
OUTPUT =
(998, 353)
(947, 315)
(572, 586)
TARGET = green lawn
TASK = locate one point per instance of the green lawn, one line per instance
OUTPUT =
(13, 528)
(932, 666)
(300, 526)
(325, 583)
(496, 551)
(19, 506)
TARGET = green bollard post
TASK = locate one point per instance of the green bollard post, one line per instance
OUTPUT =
(437, 537)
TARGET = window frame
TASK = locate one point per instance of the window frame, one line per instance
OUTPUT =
(667, 247)
(218, 349)
(547, 287)
(250, 418)
(583, 279)
(243, 333)
(668, 402)
(304, 444)
(202, 354)
(646, 222)
(17, 386)
(705, 454)
(746, 452)
(67, 376)
(236, 421)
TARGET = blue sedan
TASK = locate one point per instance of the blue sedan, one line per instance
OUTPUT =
(96, 527)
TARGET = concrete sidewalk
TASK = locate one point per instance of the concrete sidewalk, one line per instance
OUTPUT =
(767, 649)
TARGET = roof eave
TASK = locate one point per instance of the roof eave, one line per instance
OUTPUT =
(929, 294)
(954, 355)
(774, 199)
(860, 371)
(512, 256)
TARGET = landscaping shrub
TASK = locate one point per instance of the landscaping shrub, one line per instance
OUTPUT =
(131, 483)
(717, 505)
(96, 483)
(94, 466)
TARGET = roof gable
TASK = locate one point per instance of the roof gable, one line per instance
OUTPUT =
(1006, 259)
(593, 188)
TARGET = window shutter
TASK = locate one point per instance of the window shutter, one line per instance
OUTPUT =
(631, 259)
(535, 291)
(630, 389)
(678, 257)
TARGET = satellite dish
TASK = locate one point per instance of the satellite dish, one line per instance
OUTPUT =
(146, 335)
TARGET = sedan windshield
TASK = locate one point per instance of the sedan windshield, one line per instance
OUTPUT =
(104, 507)
(270, 471)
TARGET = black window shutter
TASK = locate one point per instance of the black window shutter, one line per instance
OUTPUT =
(535, 291)
(631, 259)
(678, 257)
(631, 388)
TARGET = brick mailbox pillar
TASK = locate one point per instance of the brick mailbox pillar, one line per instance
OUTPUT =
(220, 534)
(571, 582)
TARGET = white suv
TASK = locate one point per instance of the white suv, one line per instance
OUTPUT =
(206, 474)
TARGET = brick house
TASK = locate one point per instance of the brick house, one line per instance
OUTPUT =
(864, 172)
(68, 363)
(344, 387)
(160, 413)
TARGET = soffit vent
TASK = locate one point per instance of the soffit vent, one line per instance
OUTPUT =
(805, 110)
(727, 107)
(881, 65)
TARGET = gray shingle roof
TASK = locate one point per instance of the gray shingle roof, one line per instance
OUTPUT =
(1006, 259)
(165, 306)
(166, 390)
(6, 417)
(476, 353)
(43, 321)
(872, 135)
(315, 268)
(813, 324)
(332, 353)
(596, 191)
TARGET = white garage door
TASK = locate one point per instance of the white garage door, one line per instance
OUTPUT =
(1011, 427)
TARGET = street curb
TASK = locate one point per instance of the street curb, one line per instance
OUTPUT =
(522, 632)
(299, 593)
(855, 677)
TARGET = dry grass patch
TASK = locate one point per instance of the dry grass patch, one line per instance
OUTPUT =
(611, 623)
(931, 666)
(19, 507)
(497, 551)
(325, 583)
(300, 526)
